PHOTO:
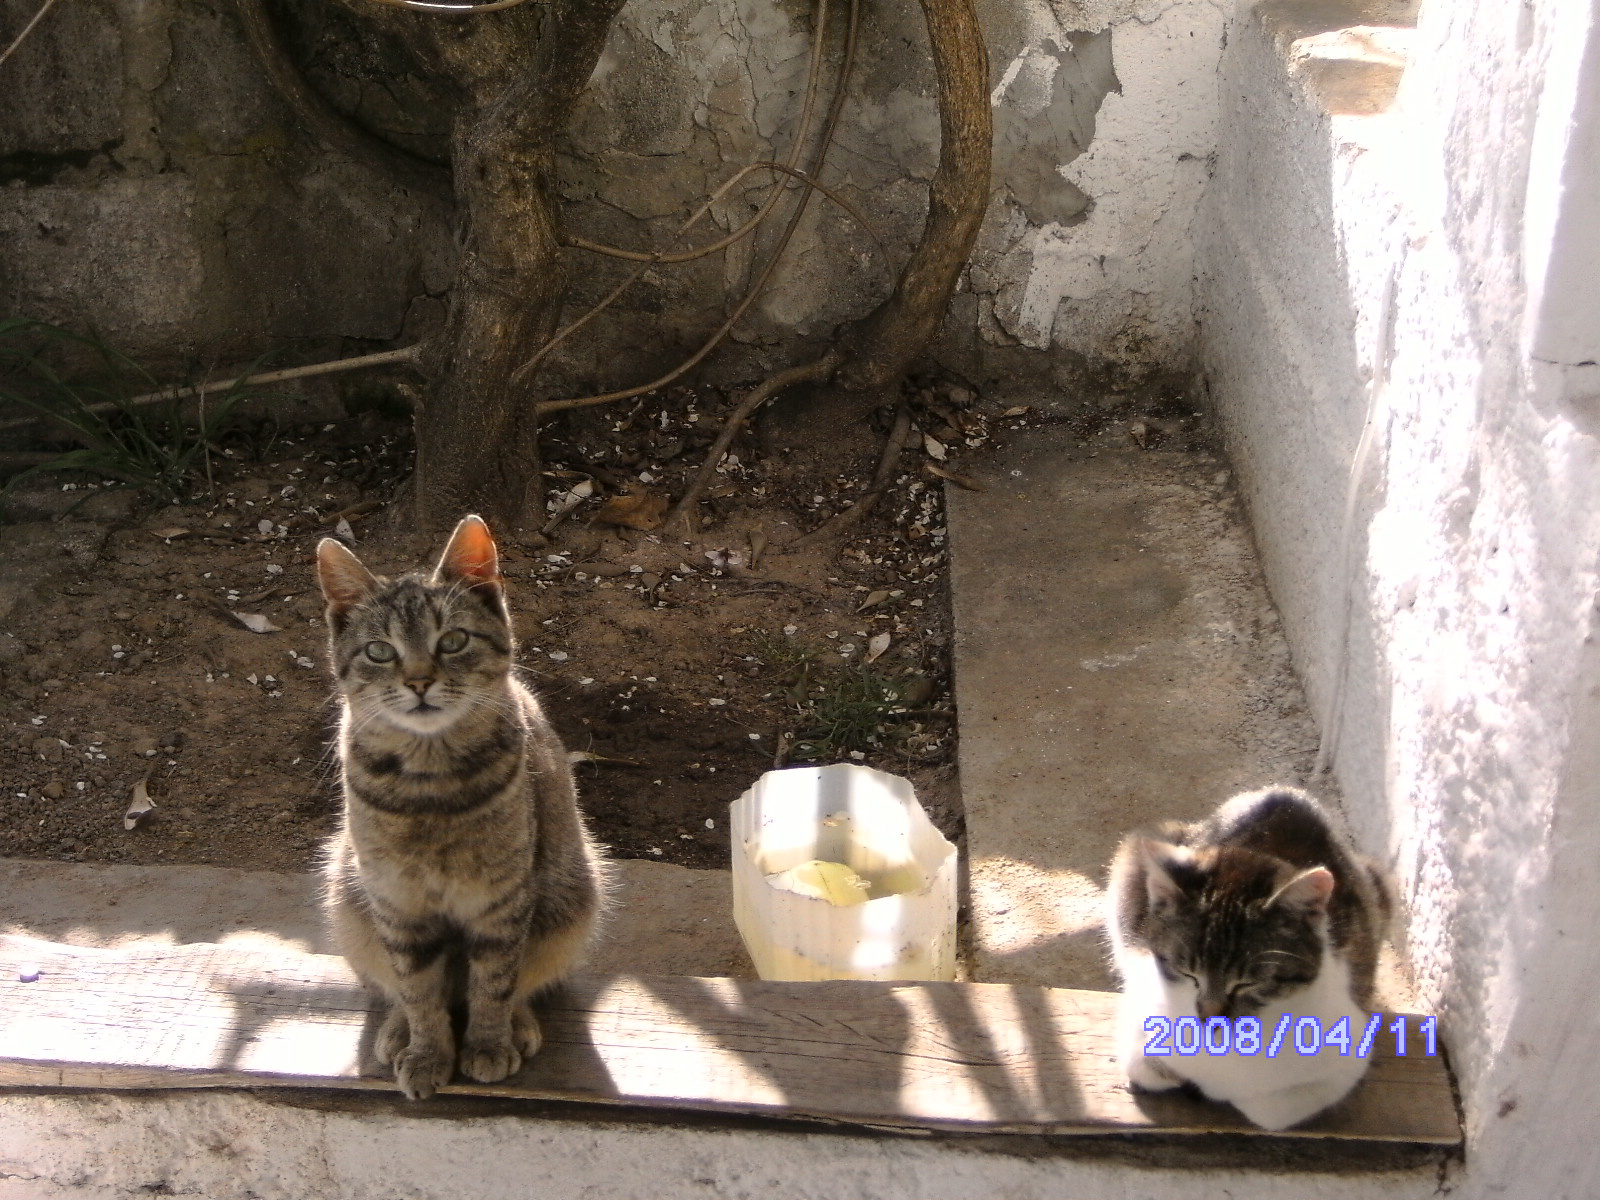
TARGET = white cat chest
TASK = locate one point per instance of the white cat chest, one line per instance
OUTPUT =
(839, 874)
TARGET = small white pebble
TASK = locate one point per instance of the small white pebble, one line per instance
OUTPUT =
(655, 849)
(716, 703)
(559, 656)
(710, 824)
(755, 737)
(586, 681)
(274, 569)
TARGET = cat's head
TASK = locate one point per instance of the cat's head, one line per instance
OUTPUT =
(419, 652)
(1229, 928)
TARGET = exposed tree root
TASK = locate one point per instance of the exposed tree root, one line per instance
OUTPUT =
(841, 522)
(810, 372)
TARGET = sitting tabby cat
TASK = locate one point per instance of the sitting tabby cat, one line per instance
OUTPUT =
(463, 872)
(1261, 910)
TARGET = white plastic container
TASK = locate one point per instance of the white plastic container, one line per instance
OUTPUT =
(871, 822)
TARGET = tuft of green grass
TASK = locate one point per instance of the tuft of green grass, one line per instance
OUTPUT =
(853, 710)
(85, 387)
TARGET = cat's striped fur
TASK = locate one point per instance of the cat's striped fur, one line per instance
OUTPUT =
(463, 874)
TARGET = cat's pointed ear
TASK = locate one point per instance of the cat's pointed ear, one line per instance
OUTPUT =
(1309, 892)
(345, 582)
(1157, 858)
(470, 557)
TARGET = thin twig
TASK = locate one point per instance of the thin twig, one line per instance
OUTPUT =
(359, 362)
(887, 464)
(813, 75)
(802, 130)
(26, 30)
(683, 368)
(683, 256)
(649, 259)
(753, 399)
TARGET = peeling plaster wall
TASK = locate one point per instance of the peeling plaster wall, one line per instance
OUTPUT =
(1400, 333)
(151, 184)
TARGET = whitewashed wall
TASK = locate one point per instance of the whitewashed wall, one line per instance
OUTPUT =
(1400, 334)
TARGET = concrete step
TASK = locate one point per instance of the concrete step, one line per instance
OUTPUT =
(1118, 662)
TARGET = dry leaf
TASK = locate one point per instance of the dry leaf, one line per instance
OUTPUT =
(255, 622)
(877, 597)
(933, 446)
(1015, 411)
(972, 485)
(876, 646)
(169, 532)
(642, 510)
(344, 533)
(573, 497)
(140, 805)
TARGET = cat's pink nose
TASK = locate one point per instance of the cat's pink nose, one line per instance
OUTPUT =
(420, 686)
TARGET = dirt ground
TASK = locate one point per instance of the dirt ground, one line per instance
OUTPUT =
(676, 669)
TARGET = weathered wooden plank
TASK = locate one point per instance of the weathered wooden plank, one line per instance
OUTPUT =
(966, 1057)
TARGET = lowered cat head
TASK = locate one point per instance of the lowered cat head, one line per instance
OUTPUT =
(420, 653)
(1231, 930)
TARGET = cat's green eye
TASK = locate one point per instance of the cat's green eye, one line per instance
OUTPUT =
(453, 640)
(380, 652)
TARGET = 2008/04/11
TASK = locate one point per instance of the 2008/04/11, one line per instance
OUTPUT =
(1189, 1036)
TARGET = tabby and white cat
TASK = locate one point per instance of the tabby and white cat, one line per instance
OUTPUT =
(463, 872)
(1260, 911)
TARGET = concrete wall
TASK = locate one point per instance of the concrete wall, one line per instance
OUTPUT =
(152, 185)
(153, 188)
(1400, 336)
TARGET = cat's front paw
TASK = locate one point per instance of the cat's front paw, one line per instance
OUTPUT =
(1286, 1107)
(394, 1035)
(1149, 1075)
(490, 1063)
(423, 1070)
(525, 1032)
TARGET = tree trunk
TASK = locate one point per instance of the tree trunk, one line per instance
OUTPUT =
(477, 448)
(882, 346)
